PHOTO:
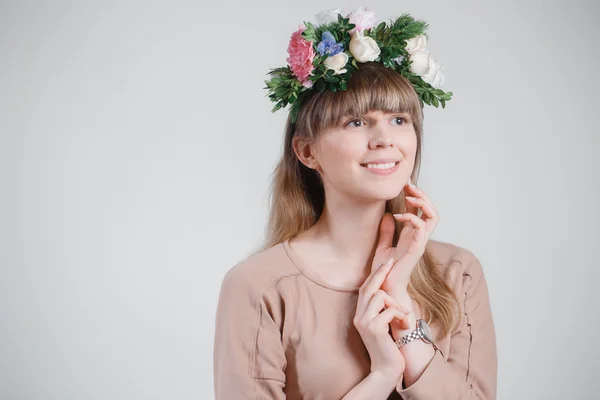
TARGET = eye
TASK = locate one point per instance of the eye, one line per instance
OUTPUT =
(402, 118)
(351, 122)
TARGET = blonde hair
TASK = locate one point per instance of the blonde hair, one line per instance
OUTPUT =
(297, 193)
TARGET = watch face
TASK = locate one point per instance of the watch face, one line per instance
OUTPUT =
(426, 331)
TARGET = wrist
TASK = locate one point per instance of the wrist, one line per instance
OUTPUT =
(398, 333)
(389, 380)
(403, 298)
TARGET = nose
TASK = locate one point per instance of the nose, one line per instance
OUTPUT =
(380, 138)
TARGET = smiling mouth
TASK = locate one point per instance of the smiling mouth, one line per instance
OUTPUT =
(381, 166)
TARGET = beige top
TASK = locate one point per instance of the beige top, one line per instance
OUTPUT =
(284, 333)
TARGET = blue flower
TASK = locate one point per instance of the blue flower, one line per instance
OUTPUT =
(328, 45)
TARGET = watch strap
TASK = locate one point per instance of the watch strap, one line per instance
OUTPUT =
(416, 334)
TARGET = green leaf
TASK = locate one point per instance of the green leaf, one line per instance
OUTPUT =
(294, 112)
(434, 100)
(331, 78)
(320, 85)
(427, 97)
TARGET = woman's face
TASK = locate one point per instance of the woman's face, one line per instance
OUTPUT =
(368, 158)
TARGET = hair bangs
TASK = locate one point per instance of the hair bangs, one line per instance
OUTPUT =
(371, 88)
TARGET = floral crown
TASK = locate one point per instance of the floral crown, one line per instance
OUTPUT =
(324, 56)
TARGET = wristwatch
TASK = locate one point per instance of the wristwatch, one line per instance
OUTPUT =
(422, 332)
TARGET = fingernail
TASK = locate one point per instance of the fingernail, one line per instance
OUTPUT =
(389, 262)
(398, 215)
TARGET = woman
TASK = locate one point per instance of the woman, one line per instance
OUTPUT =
(350, 298)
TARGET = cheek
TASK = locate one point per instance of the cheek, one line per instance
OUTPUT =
(341, 152)
(409, 147)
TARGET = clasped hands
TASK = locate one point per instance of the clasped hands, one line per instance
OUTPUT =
(383, 302)
(409, 249)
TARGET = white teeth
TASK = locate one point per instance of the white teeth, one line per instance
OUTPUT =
(381, 166)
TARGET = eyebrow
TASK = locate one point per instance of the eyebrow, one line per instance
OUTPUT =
(386, 114)
(370, 113)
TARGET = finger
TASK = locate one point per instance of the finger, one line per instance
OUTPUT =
(391, 302)
(421, 195)
(417, 223)
(382, 321)
(402, 323)
(371, 285)
(430, 216)
(379, 301)
(387, 226)
(411, 208)
(376, 267)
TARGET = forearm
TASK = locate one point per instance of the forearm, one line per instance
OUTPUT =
(417, 354)
(373, 387)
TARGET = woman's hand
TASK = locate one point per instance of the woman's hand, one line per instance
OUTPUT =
(373, 325)
(411, 243)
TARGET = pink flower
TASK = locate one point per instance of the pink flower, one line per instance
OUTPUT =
(301, 55)
(363, 18)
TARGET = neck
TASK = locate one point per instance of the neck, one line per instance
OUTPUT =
(348, 232)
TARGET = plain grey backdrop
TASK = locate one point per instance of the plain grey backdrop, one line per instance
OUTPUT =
(136, 147)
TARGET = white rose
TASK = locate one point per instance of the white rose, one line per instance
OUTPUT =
(363, 48)
(424, 65)
(420, 62)
(337, 62)
(416, 44)
(434, 76)
(328, 16)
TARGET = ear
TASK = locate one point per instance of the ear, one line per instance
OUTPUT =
(305, 152)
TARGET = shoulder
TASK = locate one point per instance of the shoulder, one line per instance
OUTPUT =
(256, 274)
(454, 261)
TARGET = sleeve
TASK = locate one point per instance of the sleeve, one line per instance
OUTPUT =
(248, 357)
(470, 371)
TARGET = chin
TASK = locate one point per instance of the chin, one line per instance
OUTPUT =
(381, 195)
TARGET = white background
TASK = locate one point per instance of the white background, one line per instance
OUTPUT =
(136, 147)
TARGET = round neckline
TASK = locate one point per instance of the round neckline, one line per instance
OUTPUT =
(311, 275)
